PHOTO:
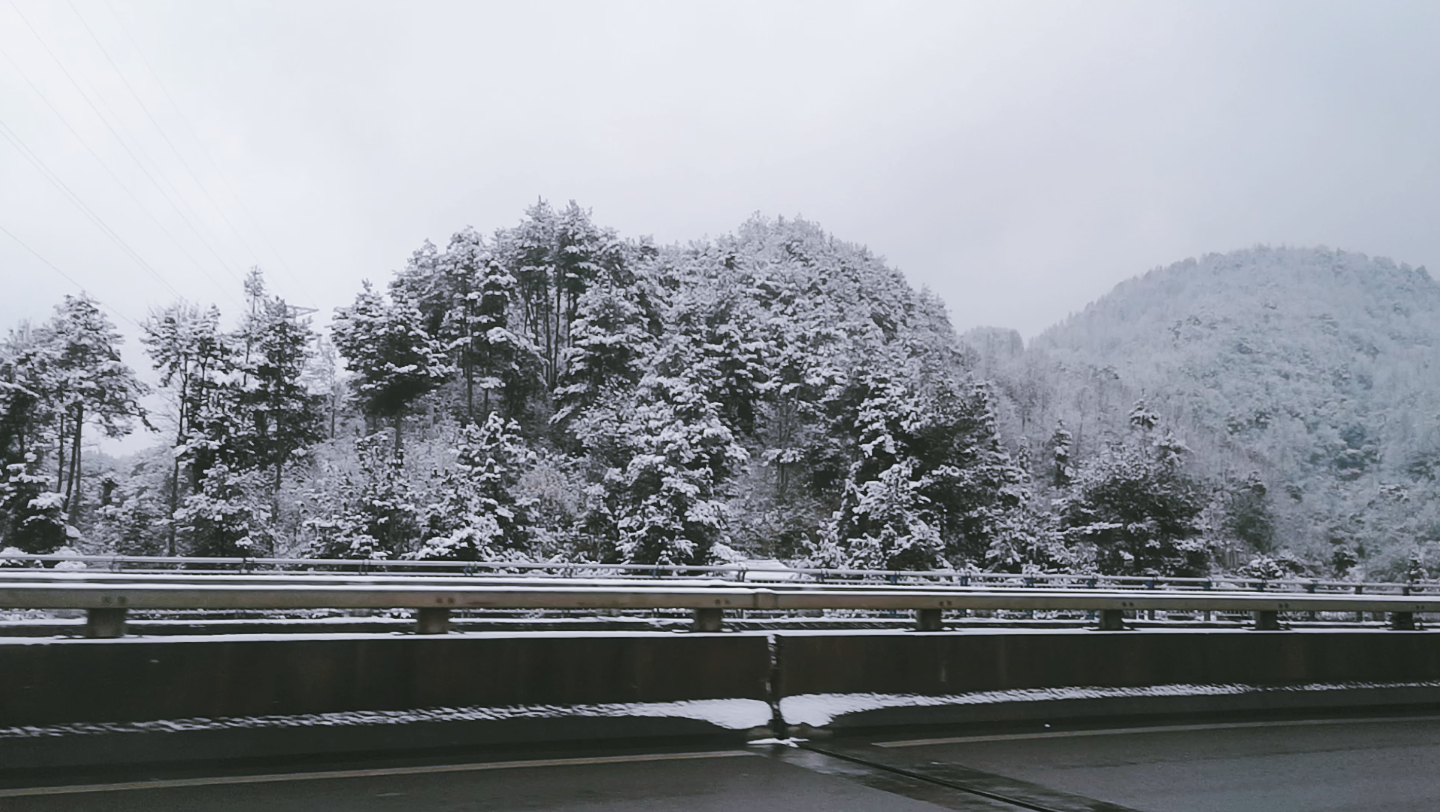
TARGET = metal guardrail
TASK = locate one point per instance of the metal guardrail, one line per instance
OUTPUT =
(738, 573)
(107, 600)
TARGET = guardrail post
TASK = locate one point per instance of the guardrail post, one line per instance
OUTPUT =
(105, 623)
(927, 620)
(1310, 587)
(1402, 621)
(708, 620)
(1267, 620)
(432, 621)
(1112, 620)
(1208, 585)
(1150, 584)
(1359, 616)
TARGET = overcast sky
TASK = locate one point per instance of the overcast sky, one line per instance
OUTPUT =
(1018, 158)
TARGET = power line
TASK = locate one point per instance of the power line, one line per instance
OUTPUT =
(54, 178)
(160, 129)
(138, 163)
(117, 314)
(185, 123)
(60, 184)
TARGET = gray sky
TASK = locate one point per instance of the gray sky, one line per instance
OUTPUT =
(1018, 158)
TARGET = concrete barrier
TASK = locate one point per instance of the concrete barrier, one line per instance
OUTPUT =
(64, 681)
(973, 675)
(1033, 675)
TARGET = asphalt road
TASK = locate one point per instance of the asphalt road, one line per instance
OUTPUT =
(1339, 765)
(724, 780)
(1312, 765)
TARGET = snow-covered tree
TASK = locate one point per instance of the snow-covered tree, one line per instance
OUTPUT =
(33, 518)
(283, 417)
(85, 382)
(228, 516)
(1061, 449)
(375, 515)
(671, 455)
(189, 351)
(1138, 510)
(478, 516)
(393, 359)
(610, 342)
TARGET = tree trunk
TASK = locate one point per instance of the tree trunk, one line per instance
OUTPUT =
(399, 416)
(72, 488)
(60, 456)
(469, 386)
(174, 505)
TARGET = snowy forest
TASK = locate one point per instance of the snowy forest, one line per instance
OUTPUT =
(552, 391)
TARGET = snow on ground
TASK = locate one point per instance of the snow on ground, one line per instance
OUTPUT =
(732, 714)
(818, 710)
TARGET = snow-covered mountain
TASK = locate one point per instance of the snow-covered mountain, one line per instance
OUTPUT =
(1318, 370)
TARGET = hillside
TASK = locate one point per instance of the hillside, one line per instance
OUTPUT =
(1315, 369)
(553, 390)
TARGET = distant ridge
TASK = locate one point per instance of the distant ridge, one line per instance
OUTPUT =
(1317, 369)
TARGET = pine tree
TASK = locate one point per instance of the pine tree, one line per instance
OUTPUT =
(394, 360)
(227, 516)
(87, 383)
(671, 457)
(1137, 510)
(610, 344)
(376, 517)
(1061, 445)
(884, 520)
(554, 258)
(478, 517)
(284, 418)
(186, 347)
(33, 520)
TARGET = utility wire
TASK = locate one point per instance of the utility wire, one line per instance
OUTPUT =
(180, 114)
(54, 178)
(60, 184)
(163, 135)
(138, 163)
(117, 314)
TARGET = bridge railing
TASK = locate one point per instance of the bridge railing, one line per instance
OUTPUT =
(107, 598)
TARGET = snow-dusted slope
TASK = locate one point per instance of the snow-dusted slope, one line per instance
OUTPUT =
(1319, 369)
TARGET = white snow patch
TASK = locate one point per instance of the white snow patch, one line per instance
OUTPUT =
(818, 710)
(732, 714)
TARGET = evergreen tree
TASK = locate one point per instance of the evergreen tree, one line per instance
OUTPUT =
(227, 516)
(931, 482)
(885, 521)
(610, 345)
(186, 347)
(1061, 445)
(86, 383)
(394, 360)
(554, 257)
(284, 418)
(377, 516)
(33, 519)
(1137, 509)
(672, 456)
(478, 517)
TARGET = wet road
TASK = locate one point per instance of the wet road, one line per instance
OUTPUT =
(1336, 765)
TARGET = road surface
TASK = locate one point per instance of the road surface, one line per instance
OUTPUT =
(1325, 765)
